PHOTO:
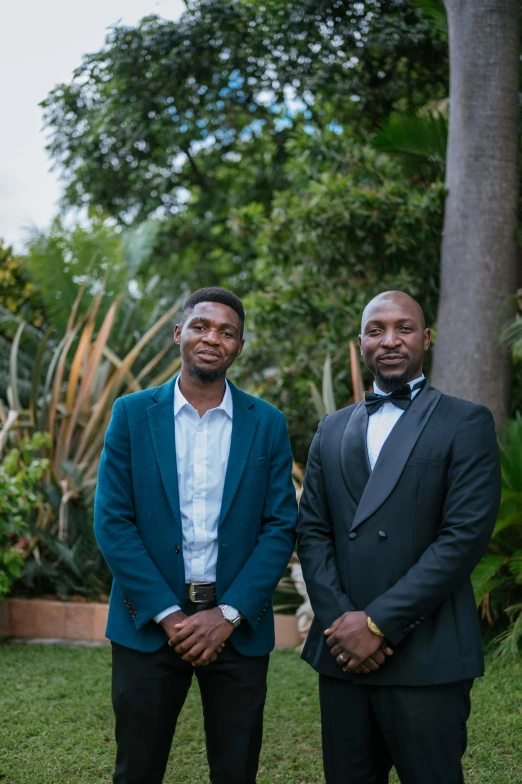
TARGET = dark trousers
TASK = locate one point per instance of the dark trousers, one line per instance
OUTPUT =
(148, 693)
(419, 729)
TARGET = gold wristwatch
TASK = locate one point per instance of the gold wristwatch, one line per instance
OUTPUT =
(374, 628)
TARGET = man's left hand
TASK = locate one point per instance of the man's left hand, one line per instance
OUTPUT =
(351, 637)
(201, 636)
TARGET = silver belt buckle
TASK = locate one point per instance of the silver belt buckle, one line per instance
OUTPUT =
(192, 593)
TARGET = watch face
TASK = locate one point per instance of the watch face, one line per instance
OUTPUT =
(229, 613)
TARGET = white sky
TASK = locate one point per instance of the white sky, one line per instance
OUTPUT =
(42, 43)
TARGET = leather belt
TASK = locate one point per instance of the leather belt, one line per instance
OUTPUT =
(201, 593)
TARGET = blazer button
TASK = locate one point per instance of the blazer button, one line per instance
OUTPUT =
(353, 535)
(383, 534)
(177, 549)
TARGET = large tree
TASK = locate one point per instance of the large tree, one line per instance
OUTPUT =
(190, 120)
(479, 252)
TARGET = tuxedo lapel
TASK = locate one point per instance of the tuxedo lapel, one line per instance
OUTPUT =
(355, 466)
(161, 423)
(244, 426)
(395, 452)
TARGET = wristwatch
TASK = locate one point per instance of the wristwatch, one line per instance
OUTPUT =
(374, 628)
(230, 614)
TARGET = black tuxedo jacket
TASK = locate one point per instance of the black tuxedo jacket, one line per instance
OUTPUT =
(401, 541)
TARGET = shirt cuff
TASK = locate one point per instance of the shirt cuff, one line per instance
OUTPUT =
(160, 616)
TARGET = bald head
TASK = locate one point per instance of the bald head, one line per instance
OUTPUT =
(393, 339)
(397, 300)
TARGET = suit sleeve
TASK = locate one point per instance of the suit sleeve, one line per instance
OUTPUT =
(469, 515)
(115, 528)
(316, 544)
(252, 589)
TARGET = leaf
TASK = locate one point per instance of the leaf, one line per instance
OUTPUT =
(317, 400)
(355, 368)
(418, 138)
(435, 11)
(484, 572)
(13, 365)
(328, 394)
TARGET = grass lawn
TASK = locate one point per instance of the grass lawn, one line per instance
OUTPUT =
(56, 722)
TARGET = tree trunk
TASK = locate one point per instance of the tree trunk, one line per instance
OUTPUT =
(479, 255)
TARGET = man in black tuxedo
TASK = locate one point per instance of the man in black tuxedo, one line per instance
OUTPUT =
(400, 499)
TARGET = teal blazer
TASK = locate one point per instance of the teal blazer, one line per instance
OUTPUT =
(137, 519)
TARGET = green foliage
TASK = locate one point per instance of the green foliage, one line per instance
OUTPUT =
(162, 104)
(497, 580)
(66, 568)
(435, 11)
(21, 471)
(419, 141)
(97, 257)
(74, 386)
(191, 121)
(17, 292)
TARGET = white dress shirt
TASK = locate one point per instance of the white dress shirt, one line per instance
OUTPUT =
(202, 450)
(382, 422)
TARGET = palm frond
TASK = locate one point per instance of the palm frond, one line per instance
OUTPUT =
(418, 140)
(435, 12)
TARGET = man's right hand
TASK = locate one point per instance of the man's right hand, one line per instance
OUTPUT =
(169, 627)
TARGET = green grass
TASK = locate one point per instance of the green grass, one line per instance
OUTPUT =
(56, 722)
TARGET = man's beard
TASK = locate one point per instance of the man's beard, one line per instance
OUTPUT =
(391, 383)
(205, 375)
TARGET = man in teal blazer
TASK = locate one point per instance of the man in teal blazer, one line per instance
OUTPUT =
(195, 514)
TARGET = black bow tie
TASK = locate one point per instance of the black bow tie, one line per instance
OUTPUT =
(400, 398)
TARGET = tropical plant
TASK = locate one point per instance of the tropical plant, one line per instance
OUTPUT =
(497, 580)
(96, 257)
(418, 140)
(21, 472)
(325, 403)
(74, 385)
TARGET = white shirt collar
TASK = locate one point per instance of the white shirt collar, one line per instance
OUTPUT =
(180, 400)
(411, 383)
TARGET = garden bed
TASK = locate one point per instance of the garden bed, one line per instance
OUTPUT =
(81, 620)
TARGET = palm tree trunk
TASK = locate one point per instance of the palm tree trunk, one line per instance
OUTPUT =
(479, 255)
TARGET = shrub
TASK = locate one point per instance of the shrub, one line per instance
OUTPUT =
(21, 471)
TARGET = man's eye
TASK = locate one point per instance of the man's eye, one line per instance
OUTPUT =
(228, 334)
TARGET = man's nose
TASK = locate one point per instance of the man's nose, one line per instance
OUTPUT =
(211, 336)
(390, 339)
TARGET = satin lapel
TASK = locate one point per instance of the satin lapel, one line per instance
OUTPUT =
(355, 466)
(161, 423)
(395, 452)
(244, 426)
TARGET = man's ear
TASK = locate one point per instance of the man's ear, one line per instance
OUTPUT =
(360, 344)
(427, 338)
(177, 333)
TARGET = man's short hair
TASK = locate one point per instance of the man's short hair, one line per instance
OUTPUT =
(214, 294)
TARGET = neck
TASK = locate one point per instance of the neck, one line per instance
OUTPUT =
(202, 395)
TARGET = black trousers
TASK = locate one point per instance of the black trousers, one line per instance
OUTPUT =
(419, 729)
(148, 693)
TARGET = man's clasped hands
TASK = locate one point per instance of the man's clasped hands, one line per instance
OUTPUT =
(198, 638)
(355, 647)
